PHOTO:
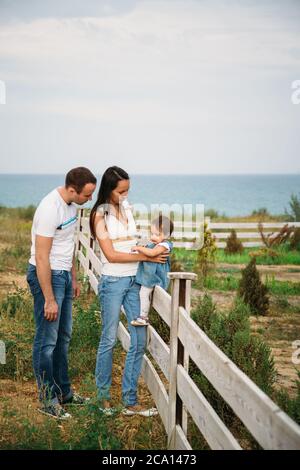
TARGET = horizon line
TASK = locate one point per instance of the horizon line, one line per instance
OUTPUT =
(163, 174)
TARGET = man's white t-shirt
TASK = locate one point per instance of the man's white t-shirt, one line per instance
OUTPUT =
(55, 218)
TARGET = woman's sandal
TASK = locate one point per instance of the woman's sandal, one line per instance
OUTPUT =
(140, 411)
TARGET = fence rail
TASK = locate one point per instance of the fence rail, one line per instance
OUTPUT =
(267, 423)
(247, 232)
(186, 234)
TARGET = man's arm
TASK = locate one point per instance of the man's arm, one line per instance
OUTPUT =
(42, 251)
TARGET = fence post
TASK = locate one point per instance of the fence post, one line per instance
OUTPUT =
(89, 263)
(78, 229)
(180, 297)
(207, 221)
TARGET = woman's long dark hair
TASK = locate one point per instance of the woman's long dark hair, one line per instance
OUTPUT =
(109, 182)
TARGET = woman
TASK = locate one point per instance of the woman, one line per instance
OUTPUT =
(112, 223)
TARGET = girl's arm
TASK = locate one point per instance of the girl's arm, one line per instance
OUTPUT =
(114, 256)
(150, 252)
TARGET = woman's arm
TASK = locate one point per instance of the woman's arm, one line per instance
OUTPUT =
(150, 252)
(114, 256)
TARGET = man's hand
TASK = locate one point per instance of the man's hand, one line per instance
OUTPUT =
(51, 310)
(76, 289)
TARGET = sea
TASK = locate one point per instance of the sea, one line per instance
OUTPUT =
(231, 195)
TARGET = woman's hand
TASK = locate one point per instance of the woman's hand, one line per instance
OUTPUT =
(162, 258)
(136, 248)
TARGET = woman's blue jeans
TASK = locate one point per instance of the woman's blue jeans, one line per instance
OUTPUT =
(113, 293)
(51, 341)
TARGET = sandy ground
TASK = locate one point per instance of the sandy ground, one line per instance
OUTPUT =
(9, 281)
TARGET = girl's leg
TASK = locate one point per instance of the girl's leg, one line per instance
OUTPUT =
(111, 293)
(145, 298)
(137, 348)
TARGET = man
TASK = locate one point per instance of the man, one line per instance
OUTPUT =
(52, 280)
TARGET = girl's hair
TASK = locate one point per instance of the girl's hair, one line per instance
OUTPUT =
(163, 224)
(109, 182)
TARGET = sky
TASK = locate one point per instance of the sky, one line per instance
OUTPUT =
(156, 87)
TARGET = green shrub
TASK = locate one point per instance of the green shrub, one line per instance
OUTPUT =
(252, 290)
(205, 313)
(294, 204)
(295, 240)
(264, 253)
(233, 244)
(254, 358)
(291, 405)
(159, 325)
(261, 212)
(212, 213)
(206, 255)
(176, 265)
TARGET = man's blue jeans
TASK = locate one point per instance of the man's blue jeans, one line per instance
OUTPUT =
(51, 342)
(113, 292)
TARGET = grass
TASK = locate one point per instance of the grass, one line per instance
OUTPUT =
(16, 239)
(284, 257)
(231, 283)
(188, 257)
(89, 430)
(21, 427)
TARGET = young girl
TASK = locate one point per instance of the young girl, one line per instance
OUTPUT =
(150, 275)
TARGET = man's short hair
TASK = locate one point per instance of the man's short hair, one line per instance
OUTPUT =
(79, 177)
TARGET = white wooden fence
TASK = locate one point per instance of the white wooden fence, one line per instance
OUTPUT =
(267, 423)
(247, 232)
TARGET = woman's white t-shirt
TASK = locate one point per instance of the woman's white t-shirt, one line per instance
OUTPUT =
(117, 229)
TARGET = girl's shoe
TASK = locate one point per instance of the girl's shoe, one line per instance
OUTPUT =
(140, 322)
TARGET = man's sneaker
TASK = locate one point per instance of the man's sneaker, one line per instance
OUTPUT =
(139, 410)
(140, 322)
(54, 411)
(76, 399)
